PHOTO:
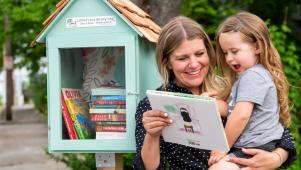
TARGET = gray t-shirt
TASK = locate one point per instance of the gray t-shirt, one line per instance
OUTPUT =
(257, 86)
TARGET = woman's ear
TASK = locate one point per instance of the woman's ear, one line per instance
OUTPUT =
(169, 66)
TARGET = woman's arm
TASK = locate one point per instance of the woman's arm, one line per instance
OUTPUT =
(154, 121)
(144, 141)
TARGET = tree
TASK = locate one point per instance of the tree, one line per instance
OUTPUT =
(160, 11)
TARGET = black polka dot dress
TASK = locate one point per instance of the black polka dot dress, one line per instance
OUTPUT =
(182, 157)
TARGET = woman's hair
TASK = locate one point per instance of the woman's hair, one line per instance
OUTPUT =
(254, 30)
(176, 31)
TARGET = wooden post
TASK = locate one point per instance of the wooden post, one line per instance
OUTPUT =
(9, 71)
(118, 163)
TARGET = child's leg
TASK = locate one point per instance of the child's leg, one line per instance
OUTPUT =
(223, 164)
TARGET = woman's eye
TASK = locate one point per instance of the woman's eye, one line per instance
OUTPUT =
(199, 54)
(181, 58)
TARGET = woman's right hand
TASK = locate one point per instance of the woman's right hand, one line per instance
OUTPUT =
(154, 121)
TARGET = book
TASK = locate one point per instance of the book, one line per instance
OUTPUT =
(107, 106)
(110, 123)
(108, 117)
(110, 128)
(107, 97)
(78, 110)
(108, 91)
(108, 102)
(110, 135)
(196, 120)
(67, 120)
(105, 111)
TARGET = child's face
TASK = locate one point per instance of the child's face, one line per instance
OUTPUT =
(239, 54)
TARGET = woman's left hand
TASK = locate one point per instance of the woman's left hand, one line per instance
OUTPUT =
(261, 160)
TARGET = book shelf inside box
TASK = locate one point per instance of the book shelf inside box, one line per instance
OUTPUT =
(91, 68)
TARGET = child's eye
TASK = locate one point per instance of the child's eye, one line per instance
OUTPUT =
(234, 51)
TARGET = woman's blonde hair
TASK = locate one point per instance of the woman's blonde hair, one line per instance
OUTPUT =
(171, 36)
(254, 30)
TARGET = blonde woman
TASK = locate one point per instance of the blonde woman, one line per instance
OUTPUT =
(186, 62)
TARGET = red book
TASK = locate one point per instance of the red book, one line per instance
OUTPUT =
(67, 119)
(108, 117)
(110, 128)
(109, 102)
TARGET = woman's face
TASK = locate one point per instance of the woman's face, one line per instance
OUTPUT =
(190, 64)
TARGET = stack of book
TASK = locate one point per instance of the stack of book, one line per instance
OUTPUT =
(108, 111)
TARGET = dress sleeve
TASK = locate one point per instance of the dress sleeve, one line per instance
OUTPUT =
(140, 132)
(287, 143)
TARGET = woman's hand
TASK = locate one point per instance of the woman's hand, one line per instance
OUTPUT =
(261, 160)
(215, 156)
(154, 122)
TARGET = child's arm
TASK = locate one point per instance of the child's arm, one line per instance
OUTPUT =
(222, 107)
(238, 120)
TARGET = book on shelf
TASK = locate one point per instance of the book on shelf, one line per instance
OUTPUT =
(108, 117)
(110, 135)
(108, 102)
(110, 123)
(110, 128)
(79, 113)
(107, 97)
(196, 120)
(107, 111)
(107, 106)
(108, 91)
(67, 120)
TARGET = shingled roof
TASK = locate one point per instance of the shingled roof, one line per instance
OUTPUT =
(135, 15)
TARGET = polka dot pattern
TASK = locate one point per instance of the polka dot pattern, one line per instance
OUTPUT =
(179, 156)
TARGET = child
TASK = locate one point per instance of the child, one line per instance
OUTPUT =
(259, 88)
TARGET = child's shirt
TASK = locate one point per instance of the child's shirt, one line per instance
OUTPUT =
(256, 85)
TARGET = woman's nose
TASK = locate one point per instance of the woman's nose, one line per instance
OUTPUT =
(193, 62)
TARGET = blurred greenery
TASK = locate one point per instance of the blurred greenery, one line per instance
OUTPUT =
(26, 17)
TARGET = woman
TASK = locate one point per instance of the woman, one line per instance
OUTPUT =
(186, 61)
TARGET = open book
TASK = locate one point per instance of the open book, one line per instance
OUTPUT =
(196, 120)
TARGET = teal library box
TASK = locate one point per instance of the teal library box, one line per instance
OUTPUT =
(101, 60)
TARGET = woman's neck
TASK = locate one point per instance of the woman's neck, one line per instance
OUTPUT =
(194, 90)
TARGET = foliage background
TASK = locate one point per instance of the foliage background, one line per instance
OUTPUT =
(26, 17)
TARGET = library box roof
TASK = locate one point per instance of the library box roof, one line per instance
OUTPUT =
(134, 16)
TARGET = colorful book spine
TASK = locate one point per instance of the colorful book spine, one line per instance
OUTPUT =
(107, 97)
(110, 135)
(108, 102)
(107, 111)
(68, 121)
(110, 123)
(108, 117)
(97, 106)
(80, 132)
(110, 128)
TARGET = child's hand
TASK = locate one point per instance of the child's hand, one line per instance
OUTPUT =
(215, 156)
(210, 94)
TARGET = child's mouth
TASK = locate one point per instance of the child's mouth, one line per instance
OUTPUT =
(236, 66)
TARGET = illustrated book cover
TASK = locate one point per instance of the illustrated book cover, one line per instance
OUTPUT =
(196, 120)
(78, 109)
(67, 120)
